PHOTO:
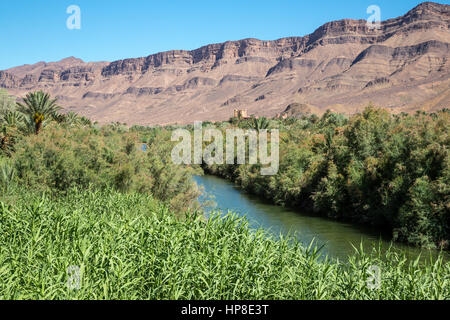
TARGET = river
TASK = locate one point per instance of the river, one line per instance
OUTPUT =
(337, 238)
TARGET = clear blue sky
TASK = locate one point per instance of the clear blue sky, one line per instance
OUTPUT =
(35, 30)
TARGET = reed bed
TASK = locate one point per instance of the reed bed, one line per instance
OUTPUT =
(130, 246)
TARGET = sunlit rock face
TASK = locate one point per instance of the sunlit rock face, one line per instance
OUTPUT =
(343, 66)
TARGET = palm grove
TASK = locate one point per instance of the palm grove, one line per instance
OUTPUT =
(76, 193)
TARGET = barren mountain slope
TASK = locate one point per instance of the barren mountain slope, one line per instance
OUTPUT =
(342, 65)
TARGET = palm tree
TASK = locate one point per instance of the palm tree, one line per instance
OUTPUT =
(38, 109)
(72, 119)
(10, 123)
(59, 118)
(261, 123)
(13, 119)
(85, 121)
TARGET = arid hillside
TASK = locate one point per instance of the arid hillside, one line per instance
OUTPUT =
(343, 66)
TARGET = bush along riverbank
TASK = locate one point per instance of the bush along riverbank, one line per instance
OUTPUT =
(70, 151)
(375, 168)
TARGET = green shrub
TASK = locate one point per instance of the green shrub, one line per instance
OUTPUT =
(60, 158)
(389, 171)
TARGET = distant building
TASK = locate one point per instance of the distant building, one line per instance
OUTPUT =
(241, 114)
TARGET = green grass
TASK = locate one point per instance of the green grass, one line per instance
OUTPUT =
(129, 246)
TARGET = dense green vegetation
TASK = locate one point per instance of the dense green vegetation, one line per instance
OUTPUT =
(391, 171)
(73, 193)
(129, 246)
(73, 152)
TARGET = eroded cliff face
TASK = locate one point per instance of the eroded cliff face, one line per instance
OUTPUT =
(342, 66)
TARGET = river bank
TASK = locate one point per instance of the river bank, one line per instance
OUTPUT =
(374, 168)
(338, 239)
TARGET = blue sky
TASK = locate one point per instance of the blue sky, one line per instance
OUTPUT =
(35, 30)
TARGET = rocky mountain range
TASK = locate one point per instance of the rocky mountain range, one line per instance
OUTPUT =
(342, 66)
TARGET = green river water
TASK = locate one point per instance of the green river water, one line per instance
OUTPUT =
(338, 238)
